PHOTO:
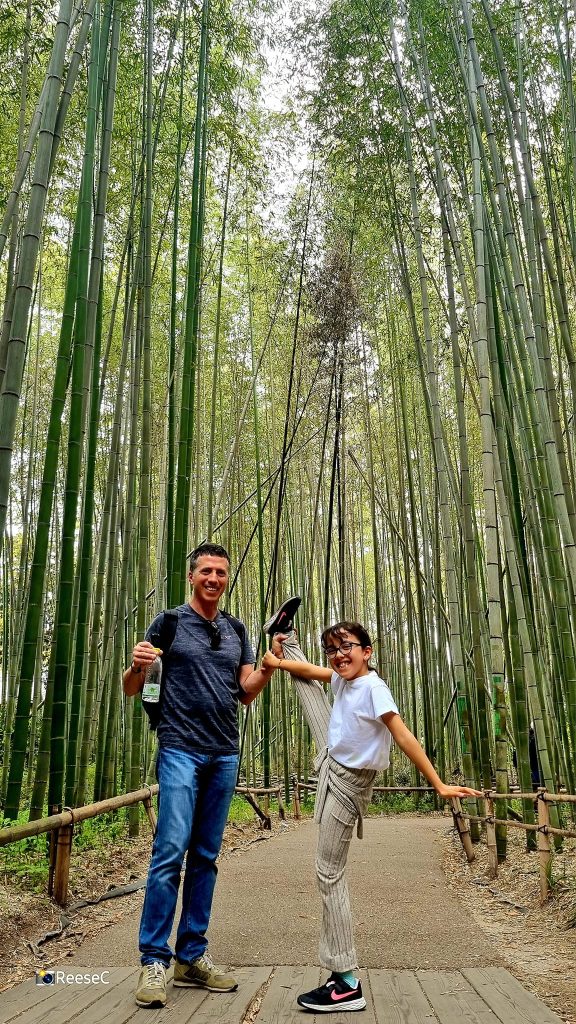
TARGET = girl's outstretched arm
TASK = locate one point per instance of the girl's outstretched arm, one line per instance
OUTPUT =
(411, 747)
(301, 669)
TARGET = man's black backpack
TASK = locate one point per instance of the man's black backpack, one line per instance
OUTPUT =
(165, 639)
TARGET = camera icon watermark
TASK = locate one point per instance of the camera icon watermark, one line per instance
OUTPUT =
(49, 976)
(45, 977)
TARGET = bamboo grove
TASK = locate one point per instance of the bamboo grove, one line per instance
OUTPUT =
(333, 332)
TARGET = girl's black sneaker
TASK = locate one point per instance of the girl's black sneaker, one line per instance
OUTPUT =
(333, 997)
(283, 620)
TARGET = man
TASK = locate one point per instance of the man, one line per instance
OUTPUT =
(209, 669)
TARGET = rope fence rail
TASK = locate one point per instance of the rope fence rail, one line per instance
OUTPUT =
(297, 786)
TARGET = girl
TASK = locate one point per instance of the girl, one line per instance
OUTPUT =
(363, 722)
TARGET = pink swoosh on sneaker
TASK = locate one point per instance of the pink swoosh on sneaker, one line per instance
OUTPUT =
(344, 995)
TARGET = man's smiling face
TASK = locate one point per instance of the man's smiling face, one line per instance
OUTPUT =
(210, 577)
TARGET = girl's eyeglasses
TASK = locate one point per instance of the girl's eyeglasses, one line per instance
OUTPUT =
(346, 646)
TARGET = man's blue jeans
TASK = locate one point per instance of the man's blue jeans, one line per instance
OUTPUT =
(195, 794)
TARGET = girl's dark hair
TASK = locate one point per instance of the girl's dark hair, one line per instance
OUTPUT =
(346, 627)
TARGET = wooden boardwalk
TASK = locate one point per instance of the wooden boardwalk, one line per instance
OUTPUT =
(471, 996)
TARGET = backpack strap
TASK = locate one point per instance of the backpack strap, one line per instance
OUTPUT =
(240, 630)
(167, 632)
(168, 628)
(238, 626)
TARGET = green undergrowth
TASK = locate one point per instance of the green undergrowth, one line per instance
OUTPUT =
(382, 803)
(26, 862)
(241, 811)
(401, 803)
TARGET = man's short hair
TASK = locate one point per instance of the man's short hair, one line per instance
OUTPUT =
(216, 550)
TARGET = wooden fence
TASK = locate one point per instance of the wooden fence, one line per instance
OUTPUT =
(461, 818)
(544, 829)
(298, 786)
(61, 826)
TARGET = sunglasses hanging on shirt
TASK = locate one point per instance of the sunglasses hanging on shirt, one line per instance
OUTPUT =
(214, 634)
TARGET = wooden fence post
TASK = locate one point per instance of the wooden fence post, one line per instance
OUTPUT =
(52, 836)
(463, 829)
(492, 871)
(264, 817)
(151, 813)
(544, 849)
(296, 788)
(62, 864)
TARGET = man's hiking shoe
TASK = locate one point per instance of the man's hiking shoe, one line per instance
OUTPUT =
(283, 620)
(333, 997)
(151, 989)
(201, 973)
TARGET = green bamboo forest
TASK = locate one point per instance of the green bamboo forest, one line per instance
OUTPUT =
(299, 279)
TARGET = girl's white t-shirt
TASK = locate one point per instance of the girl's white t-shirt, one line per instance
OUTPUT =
(357, 736)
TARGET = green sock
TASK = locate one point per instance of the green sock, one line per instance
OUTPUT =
(349, 977)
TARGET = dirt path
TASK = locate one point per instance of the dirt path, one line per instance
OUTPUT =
(266, 908)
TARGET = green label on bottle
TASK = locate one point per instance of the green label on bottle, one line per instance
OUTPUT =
(151, 692)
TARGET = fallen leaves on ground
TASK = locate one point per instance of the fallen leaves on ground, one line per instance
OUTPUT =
(535, 940)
